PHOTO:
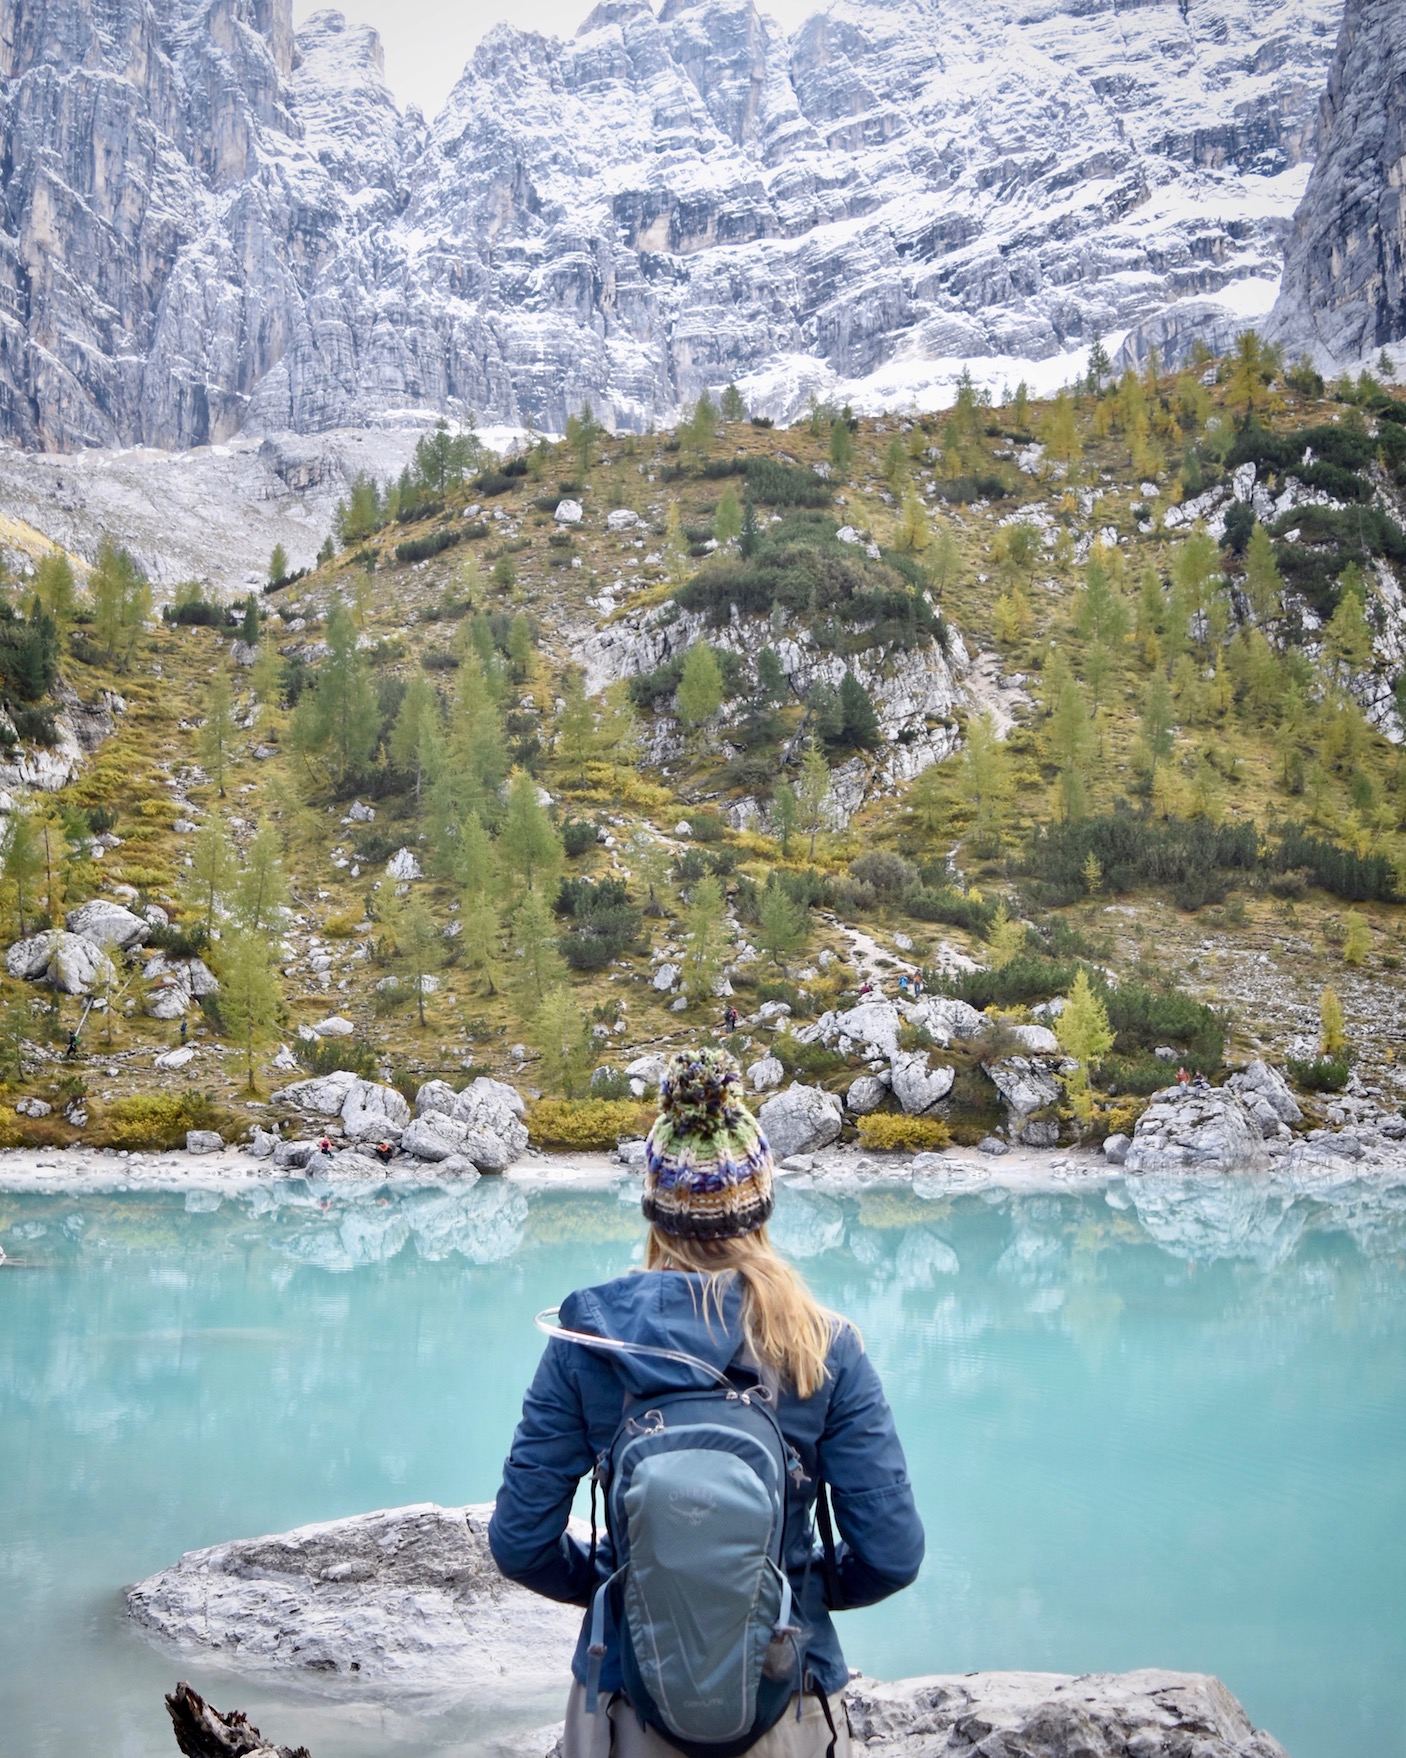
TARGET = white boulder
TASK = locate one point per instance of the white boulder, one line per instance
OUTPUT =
(1196, 1129)
(107, 924)
(800, 1120)
(946, 1021)
(334, 1026)
(569, 513)
(321, 1096)
(870, 1029)
(28, 959)
(403, 865)
(372, 1112)
(1259, 1080)
(866, 1094)
(435, 1096)
(434, 1135)
(621, 519)
(203, 1141)
(765, 1075)
(916, 1084)
(77, 967)
(1037, 1039)
(665, 978)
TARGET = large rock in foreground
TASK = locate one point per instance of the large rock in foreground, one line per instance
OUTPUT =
(1196, 1129)
(409, 1597)
(1145, 1714)
(800, 1120)
(409, 1600)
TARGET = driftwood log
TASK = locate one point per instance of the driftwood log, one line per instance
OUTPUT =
(202, 1732)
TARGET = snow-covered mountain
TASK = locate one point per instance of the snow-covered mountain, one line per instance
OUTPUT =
(211, 225)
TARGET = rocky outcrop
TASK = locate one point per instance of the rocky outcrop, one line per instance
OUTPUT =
(1196, 1129)
(67, 962)
(800, 1120)
(410, 1600)
(1344, 289)
(211, 223)
(1151, 1714)
(410, 1597)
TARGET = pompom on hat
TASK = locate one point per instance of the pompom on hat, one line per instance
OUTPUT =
(707, 1164)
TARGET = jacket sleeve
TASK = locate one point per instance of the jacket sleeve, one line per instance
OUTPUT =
(881, 1541)
(551, 1453)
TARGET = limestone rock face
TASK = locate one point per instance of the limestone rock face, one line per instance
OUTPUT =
(434, 1135)
(1150, 1713)
(1344, 289)
(1190, 1129)
(212, 224)
(916, 1085)
(800, 1120)
(372, 1112)
(66, 962)
(1259, 1081)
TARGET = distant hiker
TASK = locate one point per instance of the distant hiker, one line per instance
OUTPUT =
(917, 986)
(716, 1346)
(324, 1147)
(903, 985)
(1183, 1078)
(384, 1152)
(730, 1018)
(183, 1029)
(72, 1044)
(866, 988)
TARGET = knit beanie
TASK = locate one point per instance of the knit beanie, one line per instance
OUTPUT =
(707, 1164)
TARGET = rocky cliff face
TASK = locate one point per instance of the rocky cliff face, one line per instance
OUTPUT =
(1344, 288)
(213, 225)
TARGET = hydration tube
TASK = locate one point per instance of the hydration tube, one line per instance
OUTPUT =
(548, 1322)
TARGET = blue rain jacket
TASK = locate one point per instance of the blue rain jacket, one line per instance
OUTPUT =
(844, 1435)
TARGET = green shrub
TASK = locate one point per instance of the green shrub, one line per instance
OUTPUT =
(1024, 980)
(156, 1121)
(892, 1132)
(420, 549)
(927, 903)
(813, 1061)
(333, 1055)
(1325, 1074)
(578, 835)
(586, 1125)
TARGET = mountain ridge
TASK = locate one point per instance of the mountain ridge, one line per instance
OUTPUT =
(217, 225)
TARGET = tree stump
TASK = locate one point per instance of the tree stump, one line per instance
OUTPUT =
(202, 1732)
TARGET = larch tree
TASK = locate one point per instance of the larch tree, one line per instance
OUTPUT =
(705, 929)
(1062, 442)
(782, 923)
(986, 781)
(813, 792)
(561, 1034)
(218, 731)
(1264, 585)
(785, 815)
(338, 719)
(841, 448)
(416, 732)
(539, 965)
(21, 866)
(1332, 1028)
(121, 597)
(529, 843)
(576, 727)
(262, 886)
(278, 565)
(699, 695)
(251, 996)
(1085, 1035)
(727, 520)
(211, 873)
(57, 592)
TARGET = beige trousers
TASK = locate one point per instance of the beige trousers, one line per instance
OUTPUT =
(616, 1732)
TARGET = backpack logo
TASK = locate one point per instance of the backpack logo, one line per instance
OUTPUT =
(693, 1505)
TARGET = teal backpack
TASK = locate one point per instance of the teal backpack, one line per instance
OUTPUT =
(695, 1489)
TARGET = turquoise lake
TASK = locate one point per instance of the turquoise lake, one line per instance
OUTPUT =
(1162, 1425)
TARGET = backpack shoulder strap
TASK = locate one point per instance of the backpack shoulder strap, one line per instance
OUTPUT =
(833, 1595)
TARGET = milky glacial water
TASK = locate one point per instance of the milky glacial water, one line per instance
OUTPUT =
(1159, 1425)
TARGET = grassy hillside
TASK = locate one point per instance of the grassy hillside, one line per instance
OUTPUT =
(1156, 627)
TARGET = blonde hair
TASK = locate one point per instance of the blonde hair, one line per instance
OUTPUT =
(785, 1327)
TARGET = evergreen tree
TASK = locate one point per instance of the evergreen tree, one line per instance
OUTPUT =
(583, 432)
(357, 517)
(1062, 442)
(417, 943)
(772, 687)
(278, 565)
(1357, 943)
(212, 869)
(21, 866)
(266, 675)
(1100, 366)
(261, 888)
(562, 1034)
(250, 993)
(534, 940)
(1069, 739)
(747, 543)
(944, 559)
(1099, 611)
(1264, 587)
(1196, 576)
(813, 792)
(785, 815)
(841, 449)
(700, 692)
(121, 603)
(926, 802)
(781, 923)
(727, 520)
(521, 649)
(859, 722)
(482, 924)
(218, 730)
(1084, 1034)
(576, 727)
(914, 529)
(1020, 407)
(698, 434)
(475, 761)
(986, 781)
(705, 923)
(337, 719)
(734, 409)
(1004, 938)
(57, 593)
(528, 843)
(1250, 372)
(417, 716)
(1347, 640)
(651, 862)
(249, 628)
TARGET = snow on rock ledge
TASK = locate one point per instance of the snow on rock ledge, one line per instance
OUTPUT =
(409, 1599)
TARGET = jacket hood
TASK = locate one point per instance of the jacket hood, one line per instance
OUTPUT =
(661, 1309)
